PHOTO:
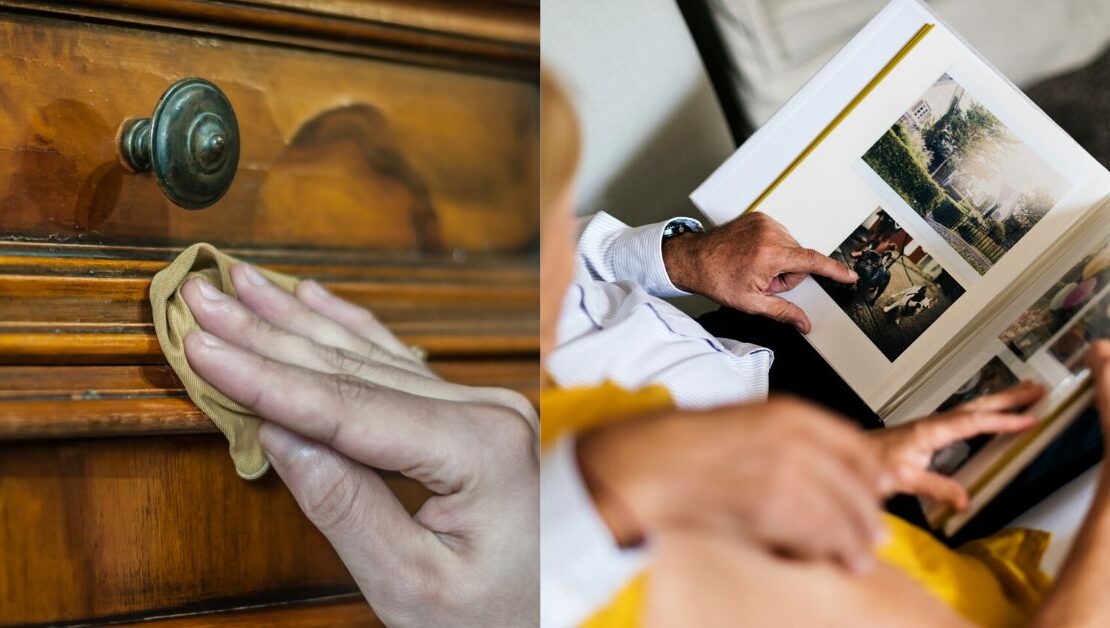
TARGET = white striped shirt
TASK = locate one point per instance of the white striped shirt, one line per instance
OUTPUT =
(614, 327)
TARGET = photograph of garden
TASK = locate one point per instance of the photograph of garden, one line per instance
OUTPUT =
(965, 173)
(994, 377)
(901, 290)
(1056, 307)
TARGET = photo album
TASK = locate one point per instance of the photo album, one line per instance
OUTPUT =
(979, 229)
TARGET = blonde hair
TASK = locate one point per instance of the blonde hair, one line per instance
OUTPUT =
(560, 142)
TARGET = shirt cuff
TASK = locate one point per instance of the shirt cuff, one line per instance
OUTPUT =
(581, 566)
(618, 252)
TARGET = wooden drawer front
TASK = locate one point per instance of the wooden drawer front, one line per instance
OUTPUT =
(140, 527)
(79, 305)
(337, 151)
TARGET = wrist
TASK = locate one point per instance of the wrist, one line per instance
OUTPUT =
(611, 507)
(680, 260)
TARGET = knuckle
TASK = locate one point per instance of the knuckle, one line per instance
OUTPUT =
(333, 505)
(812, 258)
(350, 390)
(255, 327)
(509, 433)
(340, 359)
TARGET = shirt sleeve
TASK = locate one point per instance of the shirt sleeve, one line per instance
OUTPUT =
(581, 566)
(612, 251)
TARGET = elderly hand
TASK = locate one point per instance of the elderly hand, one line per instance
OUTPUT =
(745, 263)
(784, 474)
(342, 397)
(906, 451)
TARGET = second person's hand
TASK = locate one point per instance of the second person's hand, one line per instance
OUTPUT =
(785, 475)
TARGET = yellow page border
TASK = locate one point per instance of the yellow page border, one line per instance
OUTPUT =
(867, 89)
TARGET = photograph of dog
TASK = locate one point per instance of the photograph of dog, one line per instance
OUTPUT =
(901, 290)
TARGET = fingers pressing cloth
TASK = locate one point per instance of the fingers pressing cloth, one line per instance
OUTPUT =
(173, 321)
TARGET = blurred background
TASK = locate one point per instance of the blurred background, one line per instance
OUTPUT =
(667, 89)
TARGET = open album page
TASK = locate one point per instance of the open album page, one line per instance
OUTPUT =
(938, 188)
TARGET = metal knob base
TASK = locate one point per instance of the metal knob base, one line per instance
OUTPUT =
(190, 143)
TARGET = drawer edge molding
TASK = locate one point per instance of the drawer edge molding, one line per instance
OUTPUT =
(60, 347)
(433, 45)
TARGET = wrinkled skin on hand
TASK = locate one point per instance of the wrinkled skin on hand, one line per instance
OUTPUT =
(746, 263)
(342, 398)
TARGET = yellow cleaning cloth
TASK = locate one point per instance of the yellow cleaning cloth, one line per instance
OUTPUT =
(173, 321)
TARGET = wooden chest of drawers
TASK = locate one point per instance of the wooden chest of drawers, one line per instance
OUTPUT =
(387, 148)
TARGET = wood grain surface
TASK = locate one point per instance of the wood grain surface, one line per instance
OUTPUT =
(499, 37)
(337, 152)
(54, 402)
(83, 305)
(117, 527)
(388, 149)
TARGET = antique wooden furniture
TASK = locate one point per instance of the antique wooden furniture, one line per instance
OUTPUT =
(387, 148)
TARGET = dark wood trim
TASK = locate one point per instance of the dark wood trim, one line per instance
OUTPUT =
(146, 260)
(335, 611)
(436, 42)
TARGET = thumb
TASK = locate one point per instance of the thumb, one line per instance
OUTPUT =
(783, 311)
(354, 508)
(940, 488)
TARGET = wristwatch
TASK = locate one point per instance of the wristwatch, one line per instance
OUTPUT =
(679, 226)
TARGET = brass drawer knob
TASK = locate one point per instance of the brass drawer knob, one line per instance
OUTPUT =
(191, 143)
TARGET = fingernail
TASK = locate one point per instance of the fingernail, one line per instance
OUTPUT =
(854, 276)
(210, 292)
(209, 340)
(253, 276)
(315, 287)
(279, 443)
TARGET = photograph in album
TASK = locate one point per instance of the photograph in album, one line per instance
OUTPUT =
(901, 290)
(1052, 311)
(994, 377)
(1071, 347)
(962, 170)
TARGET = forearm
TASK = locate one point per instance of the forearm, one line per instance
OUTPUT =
(1078, 598)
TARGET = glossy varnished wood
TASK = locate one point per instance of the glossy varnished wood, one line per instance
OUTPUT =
(388, 150)
(94, 309)
(117, 527)
(486, 36)
(336, 151)
(54, 402)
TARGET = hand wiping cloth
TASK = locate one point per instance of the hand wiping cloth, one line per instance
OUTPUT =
(173, 321)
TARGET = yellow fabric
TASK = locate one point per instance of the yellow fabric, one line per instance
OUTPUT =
(568, 410)
(173, 321)
(996, 581)
(993, 582)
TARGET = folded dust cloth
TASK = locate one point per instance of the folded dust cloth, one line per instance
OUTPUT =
(173, 321)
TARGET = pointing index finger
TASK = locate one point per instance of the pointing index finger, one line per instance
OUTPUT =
(809, 261)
